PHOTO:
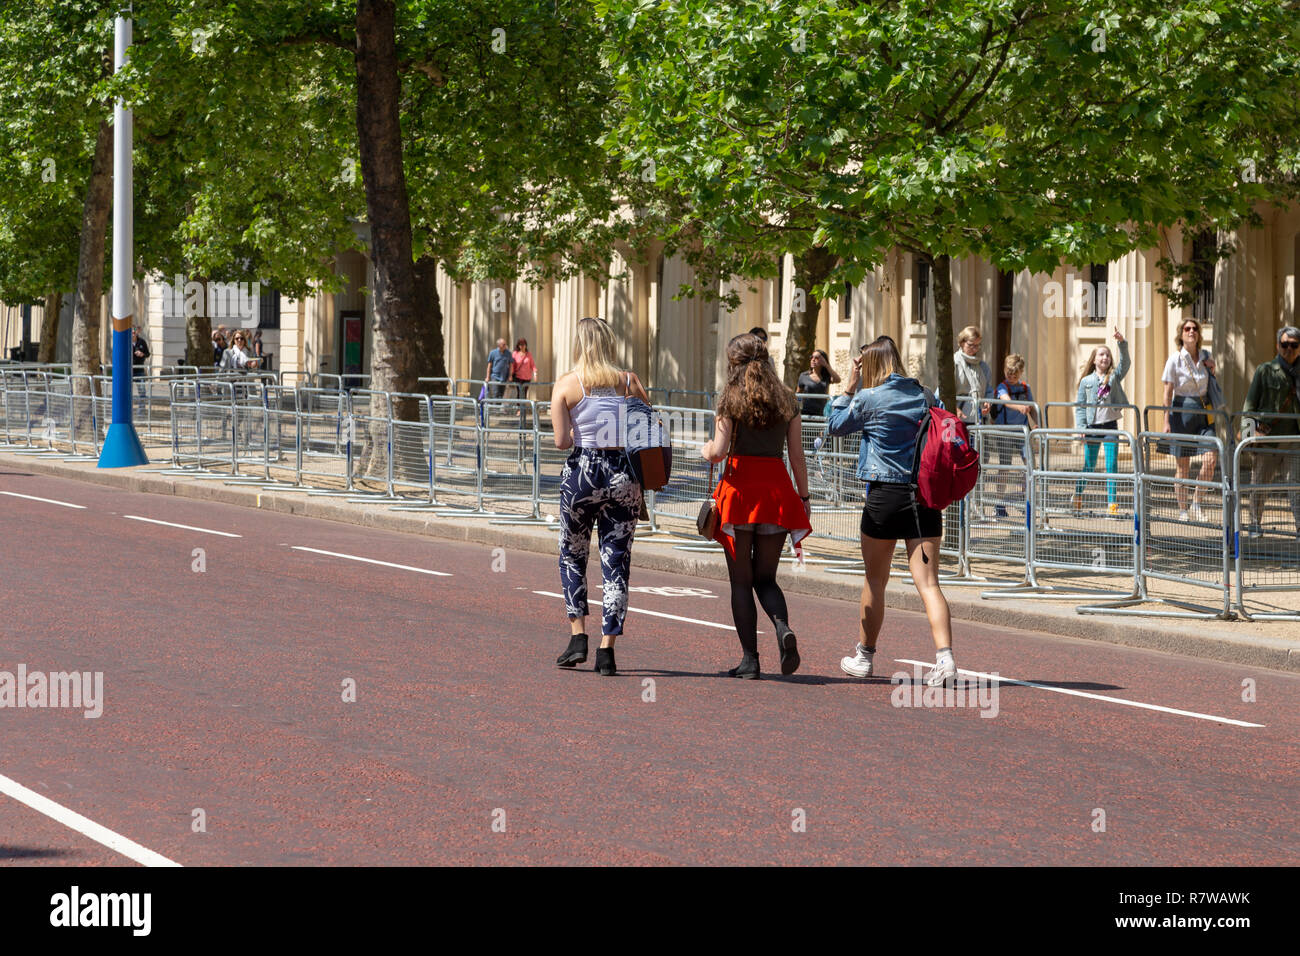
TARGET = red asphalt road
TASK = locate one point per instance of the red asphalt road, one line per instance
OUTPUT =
(223, 692)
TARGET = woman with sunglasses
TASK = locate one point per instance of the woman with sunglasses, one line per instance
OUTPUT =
(1187, 384)
(237, 356)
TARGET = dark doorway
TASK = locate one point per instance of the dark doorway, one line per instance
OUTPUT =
(1002, 337)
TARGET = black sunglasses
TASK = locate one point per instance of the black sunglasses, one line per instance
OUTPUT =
(1290, 345)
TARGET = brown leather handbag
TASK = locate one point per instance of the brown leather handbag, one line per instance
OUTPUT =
(706, 522)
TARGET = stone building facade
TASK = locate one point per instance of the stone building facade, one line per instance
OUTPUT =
(1054, 321)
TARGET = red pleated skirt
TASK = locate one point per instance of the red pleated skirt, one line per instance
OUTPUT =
(757, 490)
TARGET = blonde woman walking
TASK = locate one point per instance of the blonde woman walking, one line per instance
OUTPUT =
(597, 487)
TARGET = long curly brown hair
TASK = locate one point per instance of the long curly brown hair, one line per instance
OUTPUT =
(753, 395)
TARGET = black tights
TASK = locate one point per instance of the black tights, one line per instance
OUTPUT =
(754, 572)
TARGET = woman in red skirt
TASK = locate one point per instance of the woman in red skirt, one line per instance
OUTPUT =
(757, 504)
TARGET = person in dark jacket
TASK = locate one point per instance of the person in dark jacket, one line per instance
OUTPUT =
(1276, 388)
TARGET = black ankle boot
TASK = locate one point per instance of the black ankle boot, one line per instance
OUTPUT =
(789, 649)
(605, 661)
(575, 653)
(747, 668)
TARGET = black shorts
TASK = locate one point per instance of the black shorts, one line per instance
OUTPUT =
(888, 516)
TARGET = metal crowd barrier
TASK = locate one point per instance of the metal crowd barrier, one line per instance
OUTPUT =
(1041, 508)
(1266, 548)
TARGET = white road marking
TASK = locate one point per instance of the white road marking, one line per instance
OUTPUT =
(671, 617)
(387, 564)
(186, 527)
(1079, 693)
(48, 501)
(86, 827)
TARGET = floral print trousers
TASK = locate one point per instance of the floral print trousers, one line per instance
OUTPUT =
(597, 488)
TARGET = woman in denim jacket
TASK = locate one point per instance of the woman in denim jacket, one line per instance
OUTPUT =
(1101, 393)
(888, 412)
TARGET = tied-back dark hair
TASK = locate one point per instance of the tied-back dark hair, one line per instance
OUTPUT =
(753, 395)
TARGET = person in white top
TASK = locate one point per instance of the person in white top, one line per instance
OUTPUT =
(1187, 382)
(237, 355)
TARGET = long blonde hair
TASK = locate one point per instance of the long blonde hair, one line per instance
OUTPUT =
(1090, 366)
(595, 354)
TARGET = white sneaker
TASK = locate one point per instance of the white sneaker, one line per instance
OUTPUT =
(1182, 516)
(941, 673)
(859, 665)
(1197, 513)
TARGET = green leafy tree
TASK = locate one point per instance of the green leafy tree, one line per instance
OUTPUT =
(1024, 132)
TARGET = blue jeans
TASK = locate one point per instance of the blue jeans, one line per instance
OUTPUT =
(597, 488)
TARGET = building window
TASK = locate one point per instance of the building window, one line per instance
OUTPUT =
(846, 303)
(268, 310)
(1204, 255)
(1098, 277)
(920, 292)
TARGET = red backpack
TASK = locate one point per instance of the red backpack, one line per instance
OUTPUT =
(946, 465)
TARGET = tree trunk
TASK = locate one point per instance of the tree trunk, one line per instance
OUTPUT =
(940, 267)
(400, 342)
(50, 327)
(86, 316)
(400, 348)
(198, 333)
(426, 292)
(811, 267)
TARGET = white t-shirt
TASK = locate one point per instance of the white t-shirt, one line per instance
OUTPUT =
(1188, 377)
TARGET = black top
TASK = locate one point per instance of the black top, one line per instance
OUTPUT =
(768, 443)
(812, 406)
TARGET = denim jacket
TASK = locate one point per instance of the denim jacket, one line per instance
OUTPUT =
(1088, 388)
(888, 417)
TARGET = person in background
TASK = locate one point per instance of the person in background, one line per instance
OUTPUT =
(257, 343)
(597, 486)
(1013, 391)
(218, 346)
(814, 382)
(524, 368)
(1276, 388)
(237, 356)
(888, 411)
(760, 332)
(757, 419)
(973, 376)
(139, 354)
(1187, 384)
(1097, 405)
(500, 361)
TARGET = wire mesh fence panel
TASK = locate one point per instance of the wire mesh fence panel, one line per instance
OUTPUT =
(84, 436)
(457, 458)
(836, 491)
(102, 405)
(58, 412)
(679, 500)
(508, 440)
(550, 463)
(1186, 512)
(412, 445)
(1266, 474)
(998, 508)
(323, 444)
(217, 425)
(249, 428)
(282, 434)
(370, 431)
(1084, 521)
